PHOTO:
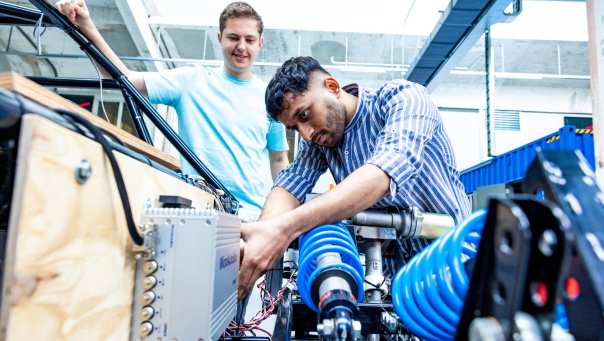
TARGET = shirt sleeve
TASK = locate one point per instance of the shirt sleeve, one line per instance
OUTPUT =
(410, 120)
(301, 175)
(166, 87)
(275, 138)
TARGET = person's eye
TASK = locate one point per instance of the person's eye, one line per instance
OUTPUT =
(304, 115)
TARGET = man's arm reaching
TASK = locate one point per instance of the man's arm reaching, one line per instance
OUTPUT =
(266, 240)
(77, 12)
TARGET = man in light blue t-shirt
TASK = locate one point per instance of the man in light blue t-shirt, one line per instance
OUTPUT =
(221, 113)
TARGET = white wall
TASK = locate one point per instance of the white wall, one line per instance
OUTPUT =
(466, 132)
(532, 127)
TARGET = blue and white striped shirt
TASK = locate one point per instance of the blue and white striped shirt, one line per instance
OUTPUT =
(397, 128)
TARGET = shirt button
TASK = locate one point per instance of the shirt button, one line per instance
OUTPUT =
(346, 152)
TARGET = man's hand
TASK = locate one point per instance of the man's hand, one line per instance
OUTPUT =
(77, 12)
(265, 242)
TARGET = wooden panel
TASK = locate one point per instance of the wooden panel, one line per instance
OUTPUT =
(69, 267)
(37, 93)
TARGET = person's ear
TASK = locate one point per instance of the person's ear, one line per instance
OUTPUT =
(219, 35)
(332, 85)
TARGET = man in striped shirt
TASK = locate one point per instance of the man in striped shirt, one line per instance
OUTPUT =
(385, 147)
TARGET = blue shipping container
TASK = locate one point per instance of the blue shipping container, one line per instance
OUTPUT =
(512, 165)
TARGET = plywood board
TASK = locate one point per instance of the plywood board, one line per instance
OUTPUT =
(33, 91)
(69, 265)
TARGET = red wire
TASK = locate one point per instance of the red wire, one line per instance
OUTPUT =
(265, 312)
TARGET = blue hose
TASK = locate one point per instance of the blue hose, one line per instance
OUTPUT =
(322, 239)
(428, 292)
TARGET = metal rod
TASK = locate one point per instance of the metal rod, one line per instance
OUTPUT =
(205, 43)
(87, 83)
(33, 44)
(489, 89)
(19, 15)
(10, 37)
(137, 118)
(373, 274)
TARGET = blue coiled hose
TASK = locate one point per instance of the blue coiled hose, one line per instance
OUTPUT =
(322, 239)
(428, 292)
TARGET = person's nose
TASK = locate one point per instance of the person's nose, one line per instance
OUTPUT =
(306, 132)
(240, 45)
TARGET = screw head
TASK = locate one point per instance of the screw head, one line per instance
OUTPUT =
(83, 171)
(548, 242)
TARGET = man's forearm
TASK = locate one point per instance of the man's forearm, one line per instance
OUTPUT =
(360, 190)
(279, 201)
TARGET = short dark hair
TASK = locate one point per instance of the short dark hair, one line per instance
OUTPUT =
(239, 9)
(292, 76)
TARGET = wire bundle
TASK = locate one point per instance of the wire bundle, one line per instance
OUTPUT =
(267, 310)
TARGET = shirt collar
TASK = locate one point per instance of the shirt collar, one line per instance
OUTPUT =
(236, 80)
(356, 90)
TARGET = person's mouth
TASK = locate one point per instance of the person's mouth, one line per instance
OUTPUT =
(319, 138)
(239, 56)
(323, 140)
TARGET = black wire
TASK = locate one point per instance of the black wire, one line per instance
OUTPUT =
(117, 173)
(376, 286)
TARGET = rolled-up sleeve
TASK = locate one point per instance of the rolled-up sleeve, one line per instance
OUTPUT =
(300, 177)
(410, 120)
(276, 139)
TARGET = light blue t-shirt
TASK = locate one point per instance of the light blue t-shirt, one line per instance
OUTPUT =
(224, 120)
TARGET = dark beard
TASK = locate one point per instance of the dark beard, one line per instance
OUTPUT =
(336, 121)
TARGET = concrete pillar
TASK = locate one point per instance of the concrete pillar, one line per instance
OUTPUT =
(595, 22)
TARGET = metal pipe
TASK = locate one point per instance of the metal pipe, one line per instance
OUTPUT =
(137, 118)
(373, 271)
(10, 37)
(435, 225)
(374, 276)
(89, 83)
(333, 282)
(336, 65)
(409, 223)
(33, 44)
(489, 67)
(19, 15)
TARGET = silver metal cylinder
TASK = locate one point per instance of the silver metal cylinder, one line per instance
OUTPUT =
(333, 282)
(410, 223)
(373, 258)
(434, 225)
(373, 275)
(328, 258)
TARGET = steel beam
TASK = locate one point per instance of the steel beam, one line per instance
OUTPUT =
(462, 24)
